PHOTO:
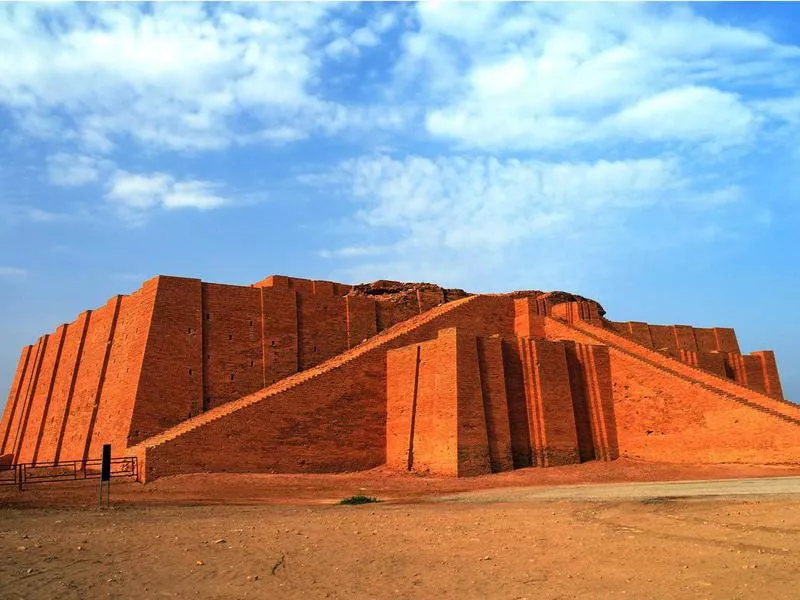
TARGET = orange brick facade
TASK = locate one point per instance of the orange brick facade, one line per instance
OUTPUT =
(293, 375)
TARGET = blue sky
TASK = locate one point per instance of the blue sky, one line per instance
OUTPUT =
(643, 155)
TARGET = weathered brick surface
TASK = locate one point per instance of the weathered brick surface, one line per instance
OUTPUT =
(402, 390)
(517, 404)
(14, 394)
(123, 372)
(170, 387)
(83, 407)
(435, 434)
(279, 337)
(474, 456)
(232, 346)
(551, 417)
(667, 411)
(63, 389)
(362, 321)
(295, 375)
(39, 403)
(495, 402)
(772, 382)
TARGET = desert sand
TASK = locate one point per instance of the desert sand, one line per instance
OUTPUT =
(558, 533)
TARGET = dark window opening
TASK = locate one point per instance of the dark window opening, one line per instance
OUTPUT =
(190, 371)
(208, 316)
(230, 337)
(232, 376)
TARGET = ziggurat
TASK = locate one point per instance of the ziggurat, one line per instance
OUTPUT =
(291, 375)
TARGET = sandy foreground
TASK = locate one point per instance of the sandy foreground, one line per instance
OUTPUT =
(570, 533)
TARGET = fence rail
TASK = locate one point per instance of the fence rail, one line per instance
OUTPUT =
(69, 470)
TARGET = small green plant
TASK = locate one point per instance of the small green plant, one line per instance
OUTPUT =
(359, 500)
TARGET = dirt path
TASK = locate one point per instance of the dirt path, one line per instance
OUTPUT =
(758, 487)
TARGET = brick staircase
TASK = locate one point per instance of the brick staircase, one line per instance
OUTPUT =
(375, 342)
(782, 409)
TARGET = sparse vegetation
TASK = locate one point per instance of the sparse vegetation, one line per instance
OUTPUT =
(354, 500)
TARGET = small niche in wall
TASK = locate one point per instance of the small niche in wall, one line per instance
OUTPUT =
(190, 371)
(191, 330)
(232, 376)
(230, 338)
(208, 316)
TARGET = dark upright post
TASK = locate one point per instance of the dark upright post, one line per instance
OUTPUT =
(105, 474)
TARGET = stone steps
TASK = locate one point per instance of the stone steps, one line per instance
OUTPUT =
(781, 409)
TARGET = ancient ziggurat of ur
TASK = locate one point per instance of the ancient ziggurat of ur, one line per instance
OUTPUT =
(297, 376)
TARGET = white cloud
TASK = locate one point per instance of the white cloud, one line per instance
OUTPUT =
(341, 48)
(547, 77)
(73, 169)
(687, 114)
(365, 37)
(175, 76)
(134, 194)
(479, 218)
(488, 203)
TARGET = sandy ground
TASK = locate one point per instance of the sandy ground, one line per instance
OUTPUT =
(506, 538)
(220, 488)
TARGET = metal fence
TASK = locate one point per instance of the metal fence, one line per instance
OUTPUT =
(70, 470)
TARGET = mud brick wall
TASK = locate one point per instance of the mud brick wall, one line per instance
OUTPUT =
(85, 401)
(474, 457)
(665, 414)
(14, 414)
(279, 333)
(528, 318)
(549, 398)
(36, 409)
(596, 392)
(171, 384)
(14, 393)
(232, 347)
(668, 419)
(123, 372)
(330, 418)
(507, 387)
(322, 326)
(402, 391)
(63, 389)
(772, 381)
(434, 436)
(495, 402)
(436, 417)
(517, 404)
(362, 321)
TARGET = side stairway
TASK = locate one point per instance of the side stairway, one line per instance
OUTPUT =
(302, 423)
(781, 409)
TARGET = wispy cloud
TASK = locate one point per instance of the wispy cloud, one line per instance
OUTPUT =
(136, 194)
(180, 90)
(12, 272)
(550, 77)
(70, 170)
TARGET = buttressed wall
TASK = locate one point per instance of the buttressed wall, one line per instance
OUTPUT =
(293, 375)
